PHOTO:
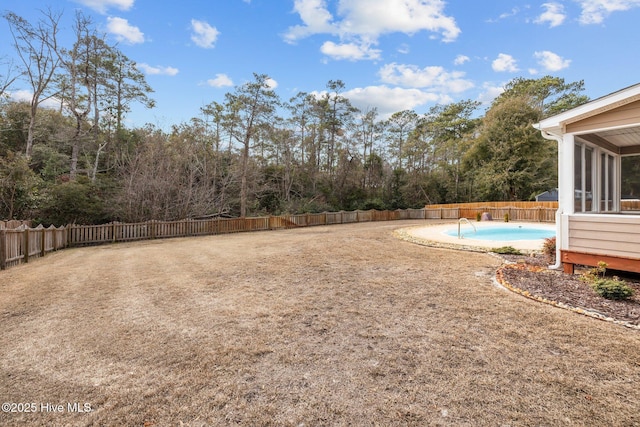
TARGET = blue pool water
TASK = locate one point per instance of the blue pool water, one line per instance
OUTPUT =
(503, 233)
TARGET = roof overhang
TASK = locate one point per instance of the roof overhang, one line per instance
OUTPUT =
(556, 125)
(612, 131)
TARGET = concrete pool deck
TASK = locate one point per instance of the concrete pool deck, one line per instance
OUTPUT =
(435, 235)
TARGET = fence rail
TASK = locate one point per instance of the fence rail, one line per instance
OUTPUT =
(23, 243)
(537, 214)
(12, 224)
(483, 205)
(18, 245)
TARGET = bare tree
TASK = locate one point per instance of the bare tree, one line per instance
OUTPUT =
(35, 48)
(7, 79)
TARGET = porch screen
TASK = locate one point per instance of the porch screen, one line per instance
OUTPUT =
(595, 187)
(630, 179)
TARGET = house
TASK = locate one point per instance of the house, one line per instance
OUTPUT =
(598, 161)
(548, 196)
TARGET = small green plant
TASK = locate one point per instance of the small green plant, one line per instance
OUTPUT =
(478, 216)
(506, 250)
(506, 217)
(612, 289)
(609, 288)
(594, 273)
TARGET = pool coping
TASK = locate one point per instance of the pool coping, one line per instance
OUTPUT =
(433, 235)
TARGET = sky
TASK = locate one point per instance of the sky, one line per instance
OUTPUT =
(391, 55)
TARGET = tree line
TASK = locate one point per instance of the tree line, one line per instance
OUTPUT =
(252, 153)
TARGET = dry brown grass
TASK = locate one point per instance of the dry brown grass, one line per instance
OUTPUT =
(340, 325)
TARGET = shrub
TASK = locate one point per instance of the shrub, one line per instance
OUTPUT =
(478, 216)
(506, 250)
(78, 202)
(613, 288)
(506, 217)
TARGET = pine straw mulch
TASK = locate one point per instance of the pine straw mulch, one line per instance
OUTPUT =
(530, 277)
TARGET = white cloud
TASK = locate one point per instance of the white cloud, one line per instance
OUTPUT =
(461, 59)
(204, 35)
(350, 51)
(166, 71)
(594, 11)
(316, 18)
(436, 78)
(505, 62)
(366, 20)
(221, 80)
(101, 6)
(554, 15)
(376, 17)
(121, 29)
(389, 100)
(505, 15)
(26, 96)
(551, 61)
(490, 91)
(271, 83)
(404, 49)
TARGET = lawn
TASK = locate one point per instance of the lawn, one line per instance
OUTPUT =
(331, 325)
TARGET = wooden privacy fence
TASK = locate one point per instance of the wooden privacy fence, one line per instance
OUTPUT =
(20, 244)
(482, 205)
(14, 224)
(538, 214)
(516, 211)
(121, 232)
(23, 243)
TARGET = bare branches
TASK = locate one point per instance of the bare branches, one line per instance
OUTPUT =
(35, 46)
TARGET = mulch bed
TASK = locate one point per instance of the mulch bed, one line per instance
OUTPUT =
(529, 276)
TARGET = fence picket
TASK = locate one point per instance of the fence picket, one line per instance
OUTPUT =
(20, 244)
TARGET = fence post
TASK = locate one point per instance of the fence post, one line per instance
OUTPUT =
(3, 251)
(26, 245)
(44, 238)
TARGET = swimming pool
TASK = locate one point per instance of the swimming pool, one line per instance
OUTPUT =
(445, 234)
(504, 233)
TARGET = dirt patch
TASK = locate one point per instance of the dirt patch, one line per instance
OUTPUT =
(339, 325)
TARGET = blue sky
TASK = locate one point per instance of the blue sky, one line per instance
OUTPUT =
(391, 54)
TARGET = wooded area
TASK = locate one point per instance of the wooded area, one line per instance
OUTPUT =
(252, 154)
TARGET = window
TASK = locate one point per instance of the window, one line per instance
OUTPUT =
(594, 179)
(577, 177)
(607, 178)
(630, 181)
(583, 178)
